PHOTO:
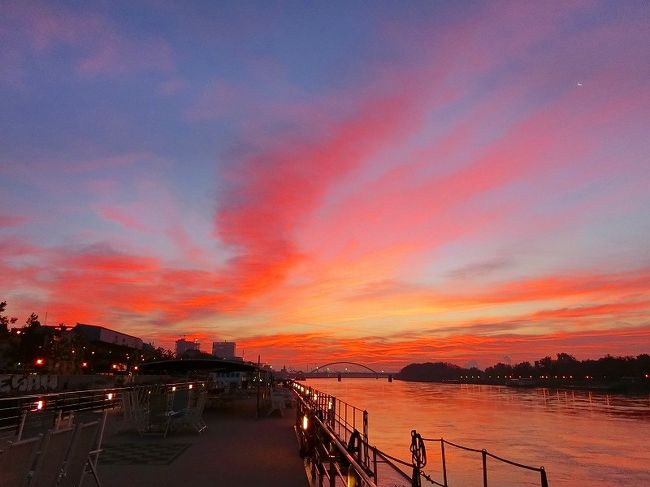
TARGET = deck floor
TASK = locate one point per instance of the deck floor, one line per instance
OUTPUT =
(236, 450)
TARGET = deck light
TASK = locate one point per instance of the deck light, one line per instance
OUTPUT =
(84, 365)
(329, 405)
(39, 405)
(190, 386)
(174, 389)
(40, 361)
(305, 422)
(315, 397)
(109, 396)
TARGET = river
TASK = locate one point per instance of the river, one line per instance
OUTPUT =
(580, 437)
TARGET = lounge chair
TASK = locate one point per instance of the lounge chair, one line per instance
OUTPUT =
(159, 415)
(78, 457)
(34, 423)
(192, 416)
(16, 462)
(49, 465)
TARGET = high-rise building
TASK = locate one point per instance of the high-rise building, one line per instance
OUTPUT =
(183, 346)
(224, 349)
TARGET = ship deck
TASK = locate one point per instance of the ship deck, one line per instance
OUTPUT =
(236, 449)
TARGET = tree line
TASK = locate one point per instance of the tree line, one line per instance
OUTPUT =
(564, 368)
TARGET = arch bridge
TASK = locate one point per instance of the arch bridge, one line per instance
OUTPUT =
(321, 369)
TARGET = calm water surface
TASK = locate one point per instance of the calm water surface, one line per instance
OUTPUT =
(581, 438)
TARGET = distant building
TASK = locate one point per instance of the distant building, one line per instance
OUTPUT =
(183, 346)
(94, 333)
(224, 350)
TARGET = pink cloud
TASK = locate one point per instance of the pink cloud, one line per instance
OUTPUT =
(124, 217)
(8, 220)
(102, 47)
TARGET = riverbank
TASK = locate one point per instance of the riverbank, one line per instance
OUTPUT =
(618, 387)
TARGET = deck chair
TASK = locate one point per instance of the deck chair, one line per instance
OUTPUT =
(192, 416)
(16, 462)
(127, 407)
(93, 455)
(181, 400)
(78, 458)
(135, 415)
(49, 465)
(34, 423)
(159, 417)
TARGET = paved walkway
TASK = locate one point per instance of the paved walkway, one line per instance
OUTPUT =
(236, 450)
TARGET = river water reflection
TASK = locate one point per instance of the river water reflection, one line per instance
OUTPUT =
(580, 437)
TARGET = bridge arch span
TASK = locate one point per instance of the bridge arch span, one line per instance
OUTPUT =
(342, 363)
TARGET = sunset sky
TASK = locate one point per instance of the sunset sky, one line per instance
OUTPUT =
(382, 182)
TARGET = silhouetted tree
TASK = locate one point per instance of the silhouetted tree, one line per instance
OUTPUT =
(523, 369)
(499, 370)
(432, 372)
(5, 321)
(32, 321)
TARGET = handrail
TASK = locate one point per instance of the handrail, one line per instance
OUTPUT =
(335, 415)
(331, 418)
(485, 454)
(12, 408)
(108, 389)
(349, 458)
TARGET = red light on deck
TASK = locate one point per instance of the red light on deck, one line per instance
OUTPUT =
(40, 361)
(84, 364)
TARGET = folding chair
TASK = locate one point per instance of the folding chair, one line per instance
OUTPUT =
(192, 416)
(159, 417)
(34, 423)
(93, 455)
(78, 455)
(16, 462)
(49, 465)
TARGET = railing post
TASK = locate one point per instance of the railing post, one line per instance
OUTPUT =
(374, 462)
(332, 411)
(484, 455)
(365, 438)
(444, 462)
(332, 469)
(542, 473)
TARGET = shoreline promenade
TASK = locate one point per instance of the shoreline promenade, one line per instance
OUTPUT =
(237, 449)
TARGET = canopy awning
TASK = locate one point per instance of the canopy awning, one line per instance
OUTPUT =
(195, 365)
